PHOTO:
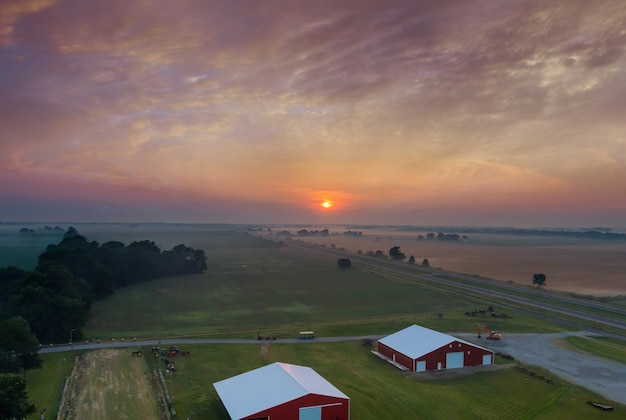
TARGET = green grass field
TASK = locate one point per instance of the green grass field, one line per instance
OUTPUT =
(376, 389)
(254, 286)
(606, 347)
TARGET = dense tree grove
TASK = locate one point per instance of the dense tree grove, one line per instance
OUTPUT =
(14, 402)
(55, 298)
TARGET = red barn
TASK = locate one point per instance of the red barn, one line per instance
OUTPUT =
(419, 349)
(282, 391)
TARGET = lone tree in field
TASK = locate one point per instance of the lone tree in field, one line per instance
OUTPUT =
(395, 254)
(412, 259)
(344, 263)
(539, 279)
(425, 263)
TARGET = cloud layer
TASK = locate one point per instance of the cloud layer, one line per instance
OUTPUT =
(447, 112)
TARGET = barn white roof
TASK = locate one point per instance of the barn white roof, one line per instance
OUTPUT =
(416, 341)
(269, 386)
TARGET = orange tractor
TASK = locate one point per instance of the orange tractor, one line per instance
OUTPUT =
(492, 334)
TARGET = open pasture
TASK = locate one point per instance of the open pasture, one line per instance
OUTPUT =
(280, 291)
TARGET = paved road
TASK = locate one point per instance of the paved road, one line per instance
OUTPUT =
(179, 341)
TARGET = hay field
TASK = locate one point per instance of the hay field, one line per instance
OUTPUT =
(110, 384)
(582, 266)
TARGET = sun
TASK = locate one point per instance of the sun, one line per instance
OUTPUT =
(327, 204)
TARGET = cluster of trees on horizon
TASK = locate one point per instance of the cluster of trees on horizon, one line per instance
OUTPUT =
(51, 304)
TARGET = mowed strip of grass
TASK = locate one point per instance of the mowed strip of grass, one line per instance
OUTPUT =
(45, 386)
(606, 347)
(376, 389)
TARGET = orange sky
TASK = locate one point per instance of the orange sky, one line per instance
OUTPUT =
(475, 112)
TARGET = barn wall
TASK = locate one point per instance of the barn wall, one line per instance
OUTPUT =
(400, 358)
(472, 356)
(291, 409)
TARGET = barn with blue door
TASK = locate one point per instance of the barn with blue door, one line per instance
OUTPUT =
(419, 349)
(282, 391)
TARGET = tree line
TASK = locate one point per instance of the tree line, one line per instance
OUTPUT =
(51, 303)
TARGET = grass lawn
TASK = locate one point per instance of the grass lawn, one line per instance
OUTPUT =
(376, 389)
(606, 347)
(45, 385)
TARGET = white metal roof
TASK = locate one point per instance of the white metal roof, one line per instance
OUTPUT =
(269, 386)
(416, 341)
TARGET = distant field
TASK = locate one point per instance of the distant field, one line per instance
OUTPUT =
(575, 265)
(583, 266)
(22, 249)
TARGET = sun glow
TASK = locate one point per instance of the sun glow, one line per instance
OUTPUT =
(327, 204)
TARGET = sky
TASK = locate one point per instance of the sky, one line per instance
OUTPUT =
(447, 112)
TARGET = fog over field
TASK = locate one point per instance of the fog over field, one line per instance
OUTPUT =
(571, 264)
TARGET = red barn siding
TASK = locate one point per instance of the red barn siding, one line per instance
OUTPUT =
(472, 355)
(399, 357)
(335, 408)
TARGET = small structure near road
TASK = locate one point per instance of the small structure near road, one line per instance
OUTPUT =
(419, 349)
(306, 335)
(282, 391)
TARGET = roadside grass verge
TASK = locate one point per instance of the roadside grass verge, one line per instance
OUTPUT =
(606, 347)
(45, 385)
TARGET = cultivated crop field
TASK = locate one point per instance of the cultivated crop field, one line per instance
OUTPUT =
(254, 286)
(109, 385)
(577, 265)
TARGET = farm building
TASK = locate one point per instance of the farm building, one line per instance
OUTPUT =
(419, 349)
(282, 391)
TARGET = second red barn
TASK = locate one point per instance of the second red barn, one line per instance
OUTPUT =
(419, 349)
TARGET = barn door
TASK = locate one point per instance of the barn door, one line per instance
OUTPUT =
(486, 359)
(454, 360)
(310, 413)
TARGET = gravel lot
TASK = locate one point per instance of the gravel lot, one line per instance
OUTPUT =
(605, 377)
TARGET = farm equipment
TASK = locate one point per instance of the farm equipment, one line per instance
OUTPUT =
(492, 334)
